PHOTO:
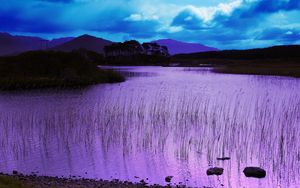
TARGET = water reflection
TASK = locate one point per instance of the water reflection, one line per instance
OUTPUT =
(175, 123)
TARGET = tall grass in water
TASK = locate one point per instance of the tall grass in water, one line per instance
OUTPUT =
(252, 128)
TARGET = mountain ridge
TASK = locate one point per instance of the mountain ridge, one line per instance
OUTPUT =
(15, 44)
(85, 41)
(180, 47)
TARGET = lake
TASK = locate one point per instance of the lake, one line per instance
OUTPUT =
(163, 121)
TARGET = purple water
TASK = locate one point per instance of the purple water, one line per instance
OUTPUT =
(160, 122)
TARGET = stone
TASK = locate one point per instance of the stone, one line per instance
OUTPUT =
(255, 172)
(215, 171)
(168, 179)
(223, 158)
(15, 172)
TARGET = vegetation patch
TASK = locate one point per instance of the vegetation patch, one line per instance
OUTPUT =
(290, 70)
(43, 69)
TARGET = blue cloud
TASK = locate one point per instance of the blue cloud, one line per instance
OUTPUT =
(250, 22)
(188, 19)
(271, 6)
(58, 1)
(32, 16)
(38, 16)
(280, 35)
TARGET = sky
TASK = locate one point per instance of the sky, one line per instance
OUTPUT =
(225, 24)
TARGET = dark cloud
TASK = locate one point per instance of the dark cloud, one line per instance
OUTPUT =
(280, 35)
(32, 18)
(138, 29)
(271, 6)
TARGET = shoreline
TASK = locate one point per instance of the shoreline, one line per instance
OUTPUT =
(18, 180)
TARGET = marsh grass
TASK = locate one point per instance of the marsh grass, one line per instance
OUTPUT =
(259, 128)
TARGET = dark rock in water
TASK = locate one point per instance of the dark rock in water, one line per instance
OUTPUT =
(15, 172)
(223, 158)
(215, 171)
(254, 172)
(168, 179)
(143, 182)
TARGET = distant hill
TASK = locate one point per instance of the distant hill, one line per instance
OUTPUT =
(178, 47)
(271, 55)
(59, 41)
(274, 52)
(13, 45)
(87, 42)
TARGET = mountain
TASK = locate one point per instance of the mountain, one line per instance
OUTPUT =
(178, 47)
(11, 45)
(59, 41)
(85, 41)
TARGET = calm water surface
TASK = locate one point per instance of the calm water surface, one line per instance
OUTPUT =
(160, 122)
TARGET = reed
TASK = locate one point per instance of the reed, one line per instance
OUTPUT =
(260, 128)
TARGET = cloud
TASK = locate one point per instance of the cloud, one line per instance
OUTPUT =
(231, 24)
(281, 35)
(192, 17)
(134, 17)
(31, 16)
(255, 11)
(140, 17)
(271, 6)
(57, 1)
(254, 21)
(189, 18)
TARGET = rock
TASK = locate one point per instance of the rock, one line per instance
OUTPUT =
(15, 172)
(143, 182)
(168, 179)
(254, 172)
(223, 158)
(215, 171)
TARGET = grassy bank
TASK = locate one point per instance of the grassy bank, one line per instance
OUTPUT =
(44, 69)
(33, 181)
(138, 60)
(12, 182)
(276, 60)
(276, 70)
